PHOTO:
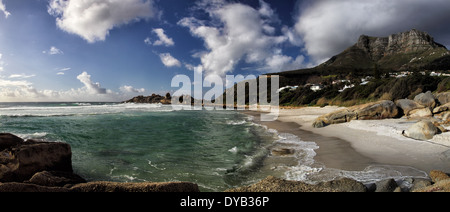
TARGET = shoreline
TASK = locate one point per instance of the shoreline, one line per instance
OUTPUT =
(362, 147)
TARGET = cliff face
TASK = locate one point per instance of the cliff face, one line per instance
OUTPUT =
(400, 43)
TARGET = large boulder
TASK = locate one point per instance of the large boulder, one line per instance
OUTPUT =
(375, 110)
(388, 185)
(423, 130)
(443, 98)
(426, 99)
(20, 162)
(408, 105)
(420, 113)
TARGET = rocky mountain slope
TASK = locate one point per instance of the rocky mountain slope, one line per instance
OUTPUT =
(406, 51)
(402, 51)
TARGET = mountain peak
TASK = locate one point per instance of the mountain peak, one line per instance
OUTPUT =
(405, 42)
(411, 49)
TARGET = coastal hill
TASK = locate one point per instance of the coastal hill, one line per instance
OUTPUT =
(399, 66)
(402, 51)
(406, 51)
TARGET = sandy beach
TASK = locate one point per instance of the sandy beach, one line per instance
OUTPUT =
(361, 147)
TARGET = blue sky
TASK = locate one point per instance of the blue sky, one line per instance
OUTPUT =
(111, 50)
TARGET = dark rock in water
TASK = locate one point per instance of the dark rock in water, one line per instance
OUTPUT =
(55, 178)
(135, 187)
(153, 99)
(283, 152)
(388, 185)
(273, 184)
(9, 140)
(22, 161)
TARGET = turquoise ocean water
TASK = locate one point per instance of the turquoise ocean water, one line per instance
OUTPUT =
(146, 142)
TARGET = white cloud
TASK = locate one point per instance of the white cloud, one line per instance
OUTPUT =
(237, 32)
(169, 61)
(94, 19)
(3, 9)
(14, 83)
(53, 51)
(18, 89)
(22, 76)
(130, 89)
(93, 88)
(163, 39)
(60, 73)
(329, 27)
(1, 63)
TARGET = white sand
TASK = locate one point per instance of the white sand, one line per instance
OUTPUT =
(380, 140)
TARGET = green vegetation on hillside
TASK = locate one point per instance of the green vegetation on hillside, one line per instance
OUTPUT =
(377, 89)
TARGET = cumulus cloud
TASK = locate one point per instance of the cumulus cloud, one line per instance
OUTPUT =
(236, 33)
(18, 88)
(328, 26)
(53, 51)
(92, 87)
(163, 39)
(94, 19)
(3, 9)
(169, 61)
(130, 89)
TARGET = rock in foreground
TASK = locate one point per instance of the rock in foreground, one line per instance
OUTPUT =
(273, 184)
(136, 187)
(19, 159)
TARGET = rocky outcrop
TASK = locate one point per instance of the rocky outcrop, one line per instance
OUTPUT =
(376, 110)
(273, 184)
(441, 183)
(22, 159)
(55, 179)
(135, 187)
(153, 99)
